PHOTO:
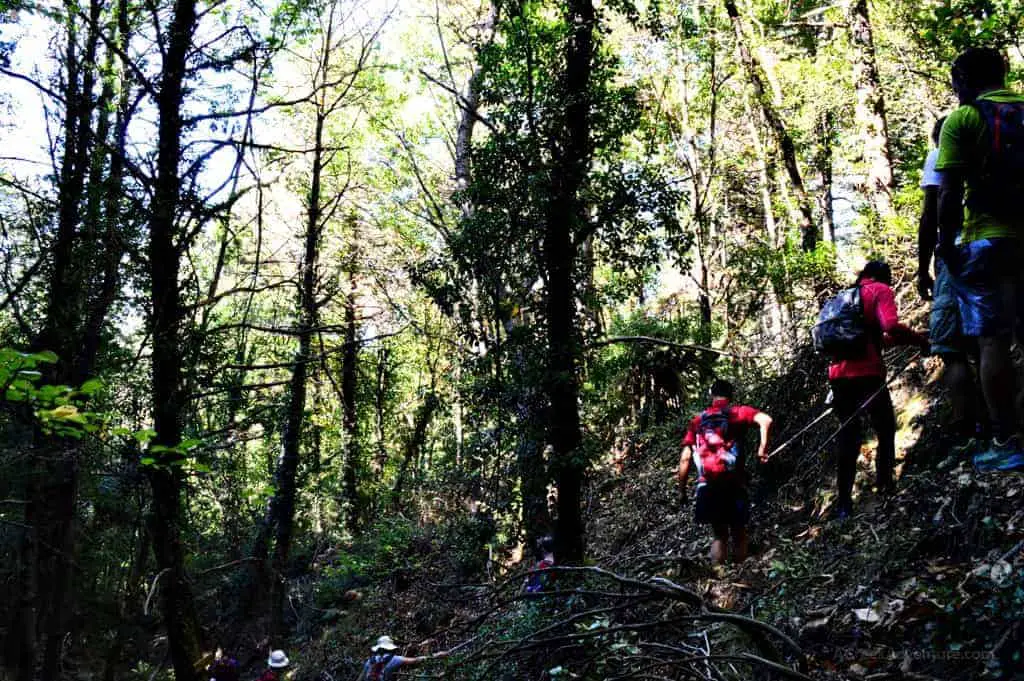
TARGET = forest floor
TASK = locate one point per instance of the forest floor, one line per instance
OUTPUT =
(926, 585)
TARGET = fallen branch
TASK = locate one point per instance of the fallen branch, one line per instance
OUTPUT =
(662, 341)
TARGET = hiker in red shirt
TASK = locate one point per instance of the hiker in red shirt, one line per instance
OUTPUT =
(715, 435)
(858, 383)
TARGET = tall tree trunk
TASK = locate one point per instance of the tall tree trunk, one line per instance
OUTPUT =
(565, 215)
(291, 437)
(533, 475)
(778, 317)
(184, 634)
(380, 406)
(870, 112)
(826, 135)
(414, 444)
(349, 421)
(758, 81)
(48, 544)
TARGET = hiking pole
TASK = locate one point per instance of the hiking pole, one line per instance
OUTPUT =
(803, 430)
(916, 356)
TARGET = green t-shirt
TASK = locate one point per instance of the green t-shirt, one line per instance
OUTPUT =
(962, 146)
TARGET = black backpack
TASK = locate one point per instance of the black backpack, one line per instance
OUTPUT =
(1000, 187)
(842, 331)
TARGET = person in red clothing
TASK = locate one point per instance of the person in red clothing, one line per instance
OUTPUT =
(539, 581)
(859, 383)
(714, 436)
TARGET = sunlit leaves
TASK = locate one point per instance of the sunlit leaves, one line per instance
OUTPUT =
(950, 26)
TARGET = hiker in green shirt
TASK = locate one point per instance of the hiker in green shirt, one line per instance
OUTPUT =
(981, 228)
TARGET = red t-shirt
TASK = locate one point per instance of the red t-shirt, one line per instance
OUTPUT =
(740, 416)
(880, 313)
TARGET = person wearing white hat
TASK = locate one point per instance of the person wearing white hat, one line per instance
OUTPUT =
(277, 667)
(383, 664)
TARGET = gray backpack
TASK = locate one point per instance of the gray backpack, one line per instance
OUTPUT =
(842, 331)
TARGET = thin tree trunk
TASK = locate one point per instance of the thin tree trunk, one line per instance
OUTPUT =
(787, 148)
(776, 307)
(826, 133)
(870, 112)
(184, 634)
(49, 543)
(380, 405)
(565, 215)
(291, 437)
(414, 444)
(350, 423)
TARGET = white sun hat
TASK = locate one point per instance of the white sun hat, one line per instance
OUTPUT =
(384, 643)
(277, 660)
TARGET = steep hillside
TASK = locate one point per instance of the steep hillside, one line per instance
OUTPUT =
(926, 585)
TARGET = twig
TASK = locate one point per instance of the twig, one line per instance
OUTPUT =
(226, 566)
(1016, 549)
(152, 590)
(662, 341)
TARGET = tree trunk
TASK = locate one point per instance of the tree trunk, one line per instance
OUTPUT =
(291, 437)
(350, 424)
(380, 405)
(787, 148)
(565, 215)
(826, 135)
(49, 543)
(185, 637)
(414, 444)
(870, 113)
(533, 475)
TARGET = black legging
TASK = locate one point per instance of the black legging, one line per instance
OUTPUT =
(848, 394)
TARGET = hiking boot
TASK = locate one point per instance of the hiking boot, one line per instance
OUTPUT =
(1006, 455)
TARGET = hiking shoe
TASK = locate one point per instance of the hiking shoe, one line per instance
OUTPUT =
(1007, 455)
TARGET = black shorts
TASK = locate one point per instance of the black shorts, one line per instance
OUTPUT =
(722, 504)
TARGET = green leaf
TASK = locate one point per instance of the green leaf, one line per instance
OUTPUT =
(91, 386)
(47, 356)
(13, 395)
(145, 435)
(147, 461)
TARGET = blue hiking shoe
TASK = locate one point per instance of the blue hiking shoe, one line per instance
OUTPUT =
(1007, 455)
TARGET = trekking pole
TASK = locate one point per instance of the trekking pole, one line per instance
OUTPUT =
(803, 430)
(916, 356)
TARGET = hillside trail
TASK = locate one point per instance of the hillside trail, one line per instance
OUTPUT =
(926, 585)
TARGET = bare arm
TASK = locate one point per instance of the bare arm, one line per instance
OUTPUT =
(685, 456)
(764, 423)
(927, 238)
(950, 210)
(413, 661)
